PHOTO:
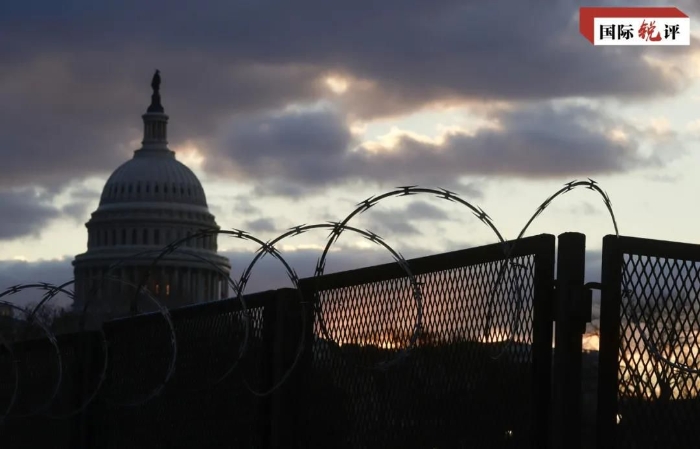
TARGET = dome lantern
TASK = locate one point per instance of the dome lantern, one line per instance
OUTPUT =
(155, 122)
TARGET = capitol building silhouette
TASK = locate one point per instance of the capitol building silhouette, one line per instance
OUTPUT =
(148, 202)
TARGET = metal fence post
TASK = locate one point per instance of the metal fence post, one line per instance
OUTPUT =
(542, 341)
(90, 365)
(284, 418)
(569, 327)
(608, 365)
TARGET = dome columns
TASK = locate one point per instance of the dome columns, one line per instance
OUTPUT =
(155, 130)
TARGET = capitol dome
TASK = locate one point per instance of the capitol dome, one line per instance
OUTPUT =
(153, 177)
(148, 202)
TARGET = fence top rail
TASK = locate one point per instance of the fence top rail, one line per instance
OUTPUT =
(220, 306)
(428, 264)
(654, 248)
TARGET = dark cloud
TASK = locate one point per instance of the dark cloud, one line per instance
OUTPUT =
(263, 225)
(64, 119)
(315, 148)
(50, 271)
(24, 213)
(78, 211)
(400, 222)
(243, 205)
(288, 144)
(82, 193)
(75, 79)
(82, 202)
(27, 211)
(690, 7)
(388, 223)
(411, 49)
(269, 187)
(238, 206)
(468, 190)
(423, 211)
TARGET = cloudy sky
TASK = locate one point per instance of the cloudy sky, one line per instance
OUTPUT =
(292, 112)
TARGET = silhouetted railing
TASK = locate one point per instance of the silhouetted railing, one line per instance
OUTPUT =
(477, 373)
(204, 403)
(451, 350)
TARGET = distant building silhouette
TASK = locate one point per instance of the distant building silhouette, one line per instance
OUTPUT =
(148, 202)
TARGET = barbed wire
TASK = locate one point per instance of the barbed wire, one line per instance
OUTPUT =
(402, 191)
(52, 291)
(93, 295)
(627, 292)
(568, 187)
(479, 213)
(336, 228)
(30, 317)
(139, 289)
(51, 337)
(590, 184)
(268, 247)
(440, 193)
(238, 287)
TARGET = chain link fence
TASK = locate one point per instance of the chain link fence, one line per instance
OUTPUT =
(469, 381)
(650, 358)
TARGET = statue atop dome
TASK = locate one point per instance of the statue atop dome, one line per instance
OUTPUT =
(155, 98)
(155, 83)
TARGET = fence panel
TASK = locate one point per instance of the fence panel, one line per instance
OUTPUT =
(200, 406)
(30, 423)
(196, 408)
(479, 375)
(649, 358)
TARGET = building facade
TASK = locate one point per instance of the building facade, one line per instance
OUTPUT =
(147, 203)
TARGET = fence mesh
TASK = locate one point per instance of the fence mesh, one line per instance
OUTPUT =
(659, 359)
(193, 410)
(38, 373)
(468, 382)
(199, 407)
